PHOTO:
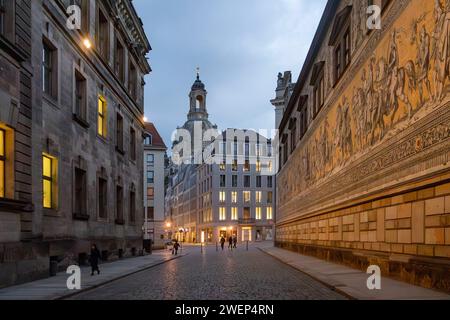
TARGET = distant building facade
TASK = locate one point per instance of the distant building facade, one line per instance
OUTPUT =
(204, 200)
(71, 131)
(154, 191)
(365, 171)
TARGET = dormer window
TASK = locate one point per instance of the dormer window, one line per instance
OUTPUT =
(148, 140)
(340, 39)
(318, 83)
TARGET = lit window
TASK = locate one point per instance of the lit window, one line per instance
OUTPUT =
(48, 181)
(222, 196)
(150, 193)
(222, 166)
(247, 165)
(2, 163)
(269, 197)
(269, 213)
(234, 165)
(102, 108)
(234, 213)
(234, 197)
(258, 213)
(247, 196)
(258, 196)
(222, 214)
(258, 166)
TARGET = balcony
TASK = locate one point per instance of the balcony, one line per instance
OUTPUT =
(247, 221)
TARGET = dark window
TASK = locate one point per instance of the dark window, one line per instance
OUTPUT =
(150, 213)
(80, 206)
(119, 132)
(234, 181)
(223, 181)
(2, 163)
(342, 54)
(246, 181)
(150, 176)
(102, 197)
(150, 159)
(7, 19)
(49, 69)
(269, 182)
(103, 34)
(132, 144)
(269, 197)
(293, 134)
(132, 80)
(247, 165)
(80, 96)
(258, 182)
(119, 61)
(247, 214)
(119, 203)
(132, 206)
(319, 93)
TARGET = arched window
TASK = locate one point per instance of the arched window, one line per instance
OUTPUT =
(198, 102)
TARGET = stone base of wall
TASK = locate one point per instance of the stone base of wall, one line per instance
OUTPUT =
(23, 262)
(432, 273)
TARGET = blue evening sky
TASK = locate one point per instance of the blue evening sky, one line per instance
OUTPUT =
(239, 45)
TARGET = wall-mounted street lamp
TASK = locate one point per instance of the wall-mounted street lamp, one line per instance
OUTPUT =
(87, 43)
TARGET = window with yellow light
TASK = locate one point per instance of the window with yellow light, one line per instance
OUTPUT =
(49, 169)
(2, 163)
(101, 118)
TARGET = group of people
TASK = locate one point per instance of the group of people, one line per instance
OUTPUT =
(232, 242)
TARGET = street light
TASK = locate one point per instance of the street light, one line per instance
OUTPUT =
(87, 43)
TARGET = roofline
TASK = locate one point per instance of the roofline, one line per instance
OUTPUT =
(325, 22)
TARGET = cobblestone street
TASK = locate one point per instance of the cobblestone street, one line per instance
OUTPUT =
(211, 275)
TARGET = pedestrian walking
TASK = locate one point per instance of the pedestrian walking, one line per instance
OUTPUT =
(222, 242)
(93, 259)
(234, 242)
(175, 248)
(230, 242)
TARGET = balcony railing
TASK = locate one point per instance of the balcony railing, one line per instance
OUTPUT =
(247, 221)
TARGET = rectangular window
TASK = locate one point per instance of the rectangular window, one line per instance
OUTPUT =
(80, 205)
(150, 193)
(150, 176)
(258, 150)
(258, 165)
(119, 132)
(247, 213)
(7, 19)
(258, 215)
(132, 144)
(222, 214)
(132, 206)
(48, 182)
(49, 69)
(246, 181)
(247, 196)
(234, 197)
(234, 213)
(150, 213)
(319, 93)
(234, 166)
(101, 121)
(102, 197)
(269, 182)
(119, 204)
(119, 61)
(223, 181)
(103, 34)
(222, 197)
(269, 213)
(150, 159)
(338, 62)
(234, 181)
(222, 166)
(258, 196)
(80, 96)
(269, 197)
(247, 166)
(2, 162)
(258, 181)
(132, 80)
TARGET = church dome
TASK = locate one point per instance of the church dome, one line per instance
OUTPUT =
(198, 85)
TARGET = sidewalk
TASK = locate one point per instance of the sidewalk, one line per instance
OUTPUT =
(352, 282)
(55, 287)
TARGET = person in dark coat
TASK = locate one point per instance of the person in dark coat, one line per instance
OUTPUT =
(222, 242)
(234, 242)
(175, 247)
(230, 242)
(94, 258)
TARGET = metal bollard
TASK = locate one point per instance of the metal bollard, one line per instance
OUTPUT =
(217, 246)
(201, 247)
(247, 245)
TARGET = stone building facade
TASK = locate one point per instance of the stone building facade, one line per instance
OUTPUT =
(73, 175)
(154, 190)
(365, 171)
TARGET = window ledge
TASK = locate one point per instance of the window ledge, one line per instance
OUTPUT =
(120, 150)
(15, 206)
(80, 216)
(80, 121)
(120, 222)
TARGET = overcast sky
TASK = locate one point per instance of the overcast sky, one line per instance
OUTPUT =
(239, 45)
